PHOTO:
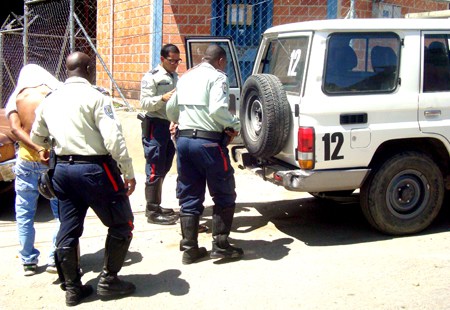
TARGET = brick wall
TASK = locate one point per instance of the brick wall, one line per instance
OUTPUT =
(291, 11)
(185, 18)
(129, 36)
(130, 33)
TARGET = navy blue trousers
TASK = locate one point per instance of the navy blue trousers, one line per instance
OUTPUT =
(95, 185)
(202, 163)
(158, 150)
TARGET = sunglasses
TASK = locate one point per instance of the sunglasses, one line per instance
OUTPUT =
(173, 61)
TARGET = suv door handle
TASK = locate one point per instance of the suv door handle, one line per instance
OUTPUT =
(432, 113)
(359, 118)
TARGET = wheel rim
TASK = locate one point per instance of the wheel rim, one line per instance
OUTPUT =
(255, 117)
(407, 194)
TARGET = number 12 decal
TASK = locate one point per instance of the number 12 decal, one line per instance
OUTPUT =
(293, 62)
(335, 138)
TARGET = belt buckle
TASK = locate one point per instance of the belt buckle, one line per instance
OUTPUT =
(71, 160)
(194, 133)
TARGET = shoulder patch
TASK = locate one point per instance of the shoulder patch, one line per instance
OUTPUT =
(109, 111)
(144, 83)
(224, 87)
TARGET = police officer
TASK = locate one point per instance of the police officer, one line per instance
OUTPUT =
(205, 126)
(91, 154)
(157, 87)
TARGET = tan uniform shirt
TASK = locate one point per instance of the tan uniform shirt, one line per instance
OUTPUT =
(83, 122)
(155, 84)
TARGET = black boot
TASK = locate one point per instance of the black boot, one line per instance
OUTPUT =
(221, 227)
(156, 215)
(66, 260)
(109, 284)
(154, 212)
(189, 243)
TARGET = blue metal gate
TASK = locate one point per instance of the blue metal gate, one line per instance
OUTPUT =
(244, 21)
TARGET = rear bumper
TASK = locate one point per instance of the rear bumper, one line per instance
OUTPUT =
(321, 181)
(7, 171)
(295, 179)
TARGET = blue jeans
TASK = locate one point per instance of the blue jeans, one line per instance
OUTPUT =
(27, 194)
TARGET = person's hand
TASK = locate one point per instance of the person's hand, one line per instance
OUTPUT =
(167, 96)
(44, 156)
(173, 128)
(130, 185)
(231, 133)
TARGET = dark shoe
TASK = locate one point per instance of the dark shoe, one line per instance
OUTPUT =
(192, 255)
(162, 219)
(161, 210)
(166, 211)
(228, 252)
(76, 293)
(29, 269)
(202, 228)
(111, 285)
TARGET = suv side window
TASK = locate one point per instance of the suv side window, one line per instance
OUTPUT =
(436, 71)
(285, 58)
(358, 63)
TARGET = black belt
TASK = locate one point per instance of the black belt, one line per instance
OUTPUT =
(82, 158)
(195, 133)
(156, 120)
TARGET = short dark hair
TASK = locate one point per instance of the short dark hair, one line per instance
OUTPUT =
(169, 48)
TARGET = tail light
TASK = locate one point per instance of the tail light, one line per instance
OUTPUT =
(305, 149)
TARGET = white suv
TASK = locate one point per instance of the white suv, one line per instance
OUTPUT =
(338, 105)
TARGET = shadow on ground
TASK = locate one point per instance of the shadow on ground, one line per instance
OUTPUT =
(318, 222)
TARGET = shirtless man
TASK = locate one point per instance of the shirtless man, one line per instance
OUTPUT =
(33, 85)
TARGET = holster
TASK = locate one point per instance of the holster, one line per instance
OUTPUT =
(52, 162)
(225, 139)
(145, 124)
(45, 186)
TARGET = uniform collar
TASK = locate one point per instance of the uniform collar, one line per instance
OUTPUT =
(207, 65)
(161, 68)
(76, 79)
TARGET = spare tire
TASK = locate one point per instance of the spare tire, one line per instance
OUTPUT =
(265, 115)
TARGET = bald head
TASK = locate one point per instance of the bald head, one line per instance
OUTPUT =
(77, 64)
(214, 52)
(216, 56)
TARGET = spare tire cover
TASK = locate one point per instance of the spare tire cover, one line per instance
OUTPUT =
(265, 115)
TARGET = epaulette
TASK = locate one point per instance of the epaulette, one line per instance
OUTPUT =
(48, 94)
(154, 71)
(101, 90)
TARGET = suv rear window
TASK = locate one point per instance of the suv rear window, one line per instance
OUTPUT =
(285, 58)
(436, 63)
(361, 62)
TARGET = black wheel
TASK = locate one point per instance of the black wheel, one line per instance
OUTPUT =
(404, 195)
(265, 115)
